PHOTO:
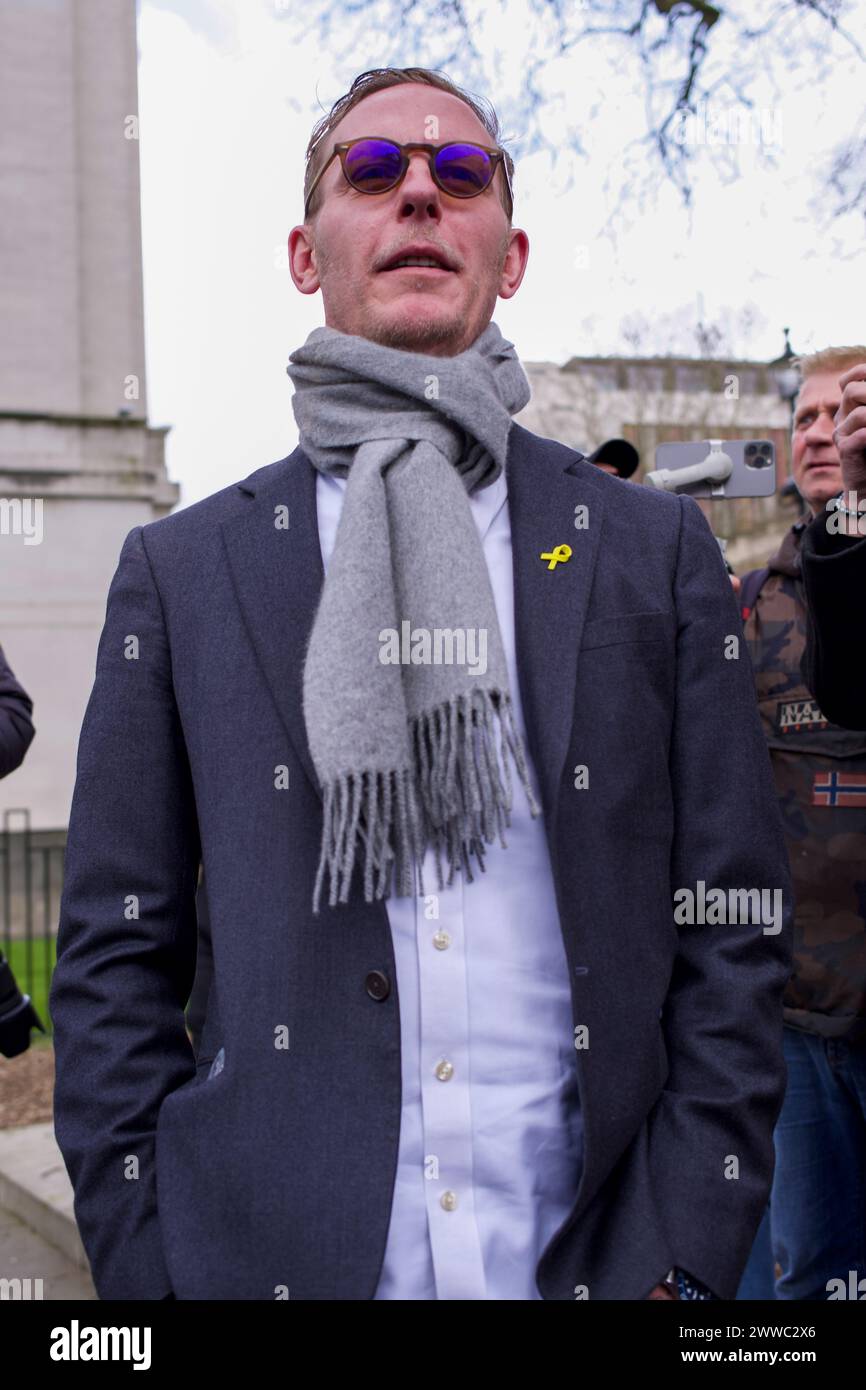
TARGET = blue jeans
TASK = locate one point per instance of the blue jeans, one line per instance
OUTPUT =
(815, 1227)
(819, 1186)
(758, 1279)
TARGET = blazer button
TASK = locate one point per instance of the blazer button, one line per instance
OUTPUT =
(377, 985)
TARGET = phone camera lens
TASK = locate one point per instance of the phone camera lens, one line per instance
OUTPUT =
(759, 454)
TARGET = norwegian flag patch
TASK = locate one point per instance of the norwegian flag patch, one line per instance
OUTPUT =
(839, 789)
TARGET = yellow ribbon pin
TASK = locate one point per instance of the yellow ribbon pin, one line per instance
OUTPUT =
(557, 556)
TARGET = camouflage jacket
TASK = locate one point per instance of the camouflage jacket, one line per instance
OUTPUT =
(820, 772)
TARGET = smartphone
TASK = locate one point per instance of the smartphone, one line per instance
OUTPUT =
(753, 472)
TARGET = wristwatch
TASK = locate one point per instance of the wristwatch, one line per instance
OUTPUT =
(685, 1287)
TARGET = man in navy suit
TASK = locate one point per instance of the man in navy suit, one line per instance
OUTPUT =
(555, 1078)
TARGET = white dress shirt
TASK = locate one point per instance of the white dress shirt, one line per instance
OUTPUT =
(491, 1136)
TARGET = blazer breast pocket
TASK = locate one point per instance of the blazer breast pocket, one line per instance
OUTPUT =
(627, 627)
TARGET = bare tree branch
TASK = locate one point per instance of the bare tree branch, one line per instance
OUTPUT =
(682, 49)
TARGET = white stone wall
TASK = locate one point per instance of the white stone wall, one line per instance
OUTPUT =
(71, 284)
(73, 432)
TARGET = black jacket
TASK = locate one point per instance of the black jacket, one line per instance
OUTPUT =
(834, 572)
(16, 726)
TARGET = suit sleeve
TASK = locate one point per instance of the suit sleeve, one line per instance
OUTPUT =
(126, 940)
(834, 574)
(16, 726)
(712, 1129)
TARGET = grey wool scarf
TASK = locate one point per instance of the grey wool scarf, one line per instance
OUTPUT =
(400, 722)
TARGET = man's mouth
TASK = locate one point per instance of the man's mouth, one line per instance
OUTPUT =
(418, 259)
(428, 266)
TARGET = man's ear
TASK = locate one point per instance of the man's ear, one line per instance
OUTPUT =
(302, 259)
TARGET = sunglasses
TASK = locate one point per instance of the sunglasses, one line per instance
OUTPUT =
(374, 165)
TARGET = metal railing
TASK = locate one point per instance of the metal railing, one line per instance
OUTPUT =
(31, 883)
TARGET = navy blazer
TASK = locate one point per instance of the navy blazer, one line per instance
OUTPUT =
(274, 1176)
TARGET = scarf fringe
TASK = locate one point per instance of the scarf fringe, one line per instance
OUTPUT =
(456, 798)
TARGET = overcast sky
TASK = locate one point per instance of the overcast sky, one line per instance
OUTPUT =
(228, 98)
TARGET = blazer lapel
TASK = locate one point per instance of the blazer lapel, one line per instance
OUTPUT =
(278, 576)
(546, 483)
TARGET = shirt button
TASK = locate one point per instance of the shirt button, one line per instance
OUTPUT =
(445, 1071)
(442, 941)
(448, 1200)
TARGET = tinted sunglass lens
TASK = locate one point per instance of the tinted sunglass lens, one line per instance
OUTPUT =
(373, 165)
(464, 170)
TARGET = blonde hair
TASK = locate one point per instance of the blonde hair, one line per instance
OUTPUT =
(829, 359)
(376, 80)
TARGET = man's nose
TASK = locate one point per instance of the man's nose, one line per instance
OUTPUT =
(821, 428)
(418, 183)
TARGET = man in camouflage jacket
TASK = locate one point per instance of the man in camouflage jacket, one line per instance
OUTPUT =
(817, 1204)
